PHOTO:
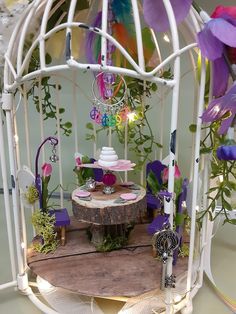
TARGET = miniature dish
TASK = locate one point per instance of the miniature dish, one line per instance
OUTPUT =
(128, 196)
(82, 194)
(128, 183)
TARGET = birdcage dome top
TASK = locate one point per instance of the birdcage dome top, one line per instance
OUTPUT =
(53, 36)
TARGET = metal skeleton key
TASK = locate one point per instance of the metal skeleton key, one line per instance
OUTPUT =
(165, 242)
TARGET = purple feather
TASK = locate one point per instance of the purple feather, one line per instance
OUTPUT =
(90, 39)
(155, 13)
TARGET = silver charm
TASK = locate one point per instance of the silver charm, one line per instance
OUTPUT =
(54, 157)
(165, 242)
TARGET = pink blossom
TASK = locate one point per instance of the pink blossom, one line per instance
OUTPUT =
(46, 169)
(165, 174)
(78, 161)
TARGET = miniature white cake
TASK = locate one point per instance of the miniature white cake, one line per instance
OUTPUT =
(108, 157)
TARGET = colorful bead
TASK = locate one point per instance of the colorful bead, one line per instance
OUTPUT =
(104, 119)
(93, 113)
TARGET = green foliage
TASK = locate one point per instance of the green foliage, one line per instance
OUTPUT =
(45, 197)
(223, 171)
(49, 110)
(32, 194)
(153, 183)
(43, 223)
(84, 173)
(110, 244)
(193, 128)
(183, 250)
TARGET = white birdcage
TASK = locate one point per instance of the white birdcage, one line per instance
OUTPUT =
(26, 128)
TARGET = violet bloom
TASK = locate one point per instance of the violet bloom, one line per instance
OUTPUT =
(164, 194)
(218, 35)
(219, 107)
(155, 13)
(227, 152)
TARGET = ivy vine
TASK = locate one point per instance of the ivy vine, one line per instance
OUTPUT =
(222, 170)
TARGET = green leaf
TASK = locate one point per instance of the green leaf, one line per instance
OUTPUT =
(231, 185)
(227, 192)
(89, 137)
(61, 110)
(178, 186)
(213, 205)
(231, 221)
(89, 126)
(153, 183)
(205, 150)
(68, 125)
(48, 58)
(226, 205)
(193, 128)
(154, 87)
(51, 114)
(179, 219)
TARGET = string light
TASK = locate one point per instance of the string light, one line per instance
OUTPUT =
(166, 38)
(131, 116)
(221, 178)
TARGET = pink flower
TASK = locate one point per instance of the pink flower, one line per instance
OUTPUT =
(221, 10)
(165, 174)
(46, 170)
(78, 161)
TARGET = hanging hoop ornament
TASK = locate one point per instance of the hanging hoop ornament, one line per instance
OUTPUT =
(106, 107)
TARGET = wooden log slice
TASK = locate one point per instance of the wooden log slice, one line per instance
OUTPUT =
(106, 212)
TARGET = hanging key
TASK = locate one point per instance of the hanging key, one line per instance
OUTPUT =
(165, 242)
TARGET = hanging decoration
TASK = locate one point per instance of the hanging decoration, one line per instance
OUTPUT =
(107, 110)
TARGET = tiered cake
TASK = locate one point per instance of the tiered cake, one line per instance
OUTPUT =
(108, 157)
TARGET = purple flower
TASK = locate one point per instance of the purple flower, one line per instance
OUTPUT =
(219, 107)
(164, 194)
(218, 35)
(227, 152)
(155, 13)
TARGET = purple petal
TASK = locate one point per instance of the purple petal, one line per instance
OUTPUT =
(219, 107)
(210, 46)
(226, 152)
(228, 18)
(157, 224)
(224, 31)
(225, 124)
(213, 112)
(220, 75)
(155, 13)
(91, 37)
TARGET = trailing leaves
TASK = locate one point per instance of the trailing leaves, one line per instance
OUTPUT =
(222, 171)
(49, 110)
